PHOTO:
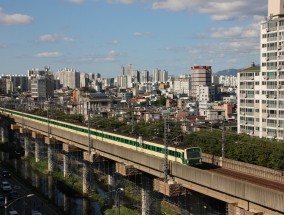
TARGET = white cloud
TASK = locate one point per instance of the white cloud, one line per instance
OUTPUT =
(250, 32)
(217, 9)
(125, 1)
(14, 19)
(48, 54)
(76, 1)
(139, 34)
(51, 38)
(108, 57)
(115, 42)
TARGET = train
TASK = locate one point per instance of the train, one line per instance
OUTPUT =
(185, 155)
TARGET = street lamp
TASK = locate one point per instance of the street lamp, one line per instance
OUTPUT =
(117, 208)
(6, 201)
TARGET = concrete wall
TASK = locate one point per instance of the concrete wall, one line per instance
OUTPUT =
(246, 168)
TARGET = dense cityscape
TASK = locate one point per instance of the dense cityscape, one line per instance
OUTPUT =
(147, 142)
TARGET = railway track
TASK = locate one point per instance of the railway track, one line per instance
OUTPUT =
(249, 178)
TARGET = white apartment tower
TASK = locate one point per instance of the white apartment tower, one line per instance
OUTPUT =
(69, 78)
(261, 109)
(182, 84)
(144, 76)
(160, 76)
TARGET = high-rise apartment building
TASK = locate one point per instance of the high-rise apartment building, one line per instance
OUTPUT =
(160, 76)
(182, 84)
(261, 102)
(201, 76)
(69, 78)
(42, 83)
(144, 76)
(14, 83)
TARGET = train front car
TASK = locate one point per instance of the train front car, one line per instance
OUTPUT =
(193, 156)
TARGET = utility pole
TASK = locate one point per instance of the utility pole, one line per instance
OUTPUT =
(89, 133)
(223, 140)
(132, 124)
(166, 151)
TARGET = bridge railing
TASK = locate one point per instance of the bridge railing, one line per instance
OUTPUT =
(245, 168)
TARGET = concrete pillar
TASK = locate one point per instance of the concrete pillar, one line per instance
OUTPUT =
(66, 164)
(66, 203)
(37, 149)
(50, 187)
(25, 170)
(86, 206)
(233, 209)
(50, 158)
(3, 134)
(146, 198)
(37, 181)
(86, 178)
(111, 181)
(26, 145)
(151, 204)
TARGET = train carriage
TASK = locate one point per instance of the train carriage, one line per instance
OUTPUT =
(186, 156)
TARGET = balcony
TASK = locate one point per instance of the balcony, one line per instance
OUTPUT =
(271, 39)
(271, 67)
(271, 48)
(269, 115)
(273, 125)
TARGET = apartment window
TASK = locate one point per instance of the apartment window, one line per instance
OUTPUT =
(257, 110)
(257, 101)
(257, 119)
(256, 83)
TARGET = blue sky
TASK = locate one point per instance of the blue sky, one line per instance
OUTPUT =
(100, 36)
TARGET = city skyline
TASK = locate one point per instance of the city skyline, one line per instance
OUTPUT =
(96, 36)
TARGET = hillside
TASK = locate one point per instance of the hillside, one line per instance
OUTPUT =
(227, 72)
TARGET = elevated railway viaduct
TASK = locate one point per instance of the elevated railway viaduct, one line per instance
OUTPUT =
(244, 194)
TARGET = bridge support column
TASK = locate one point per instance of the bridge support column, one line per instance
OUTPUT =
(50, 158)
(4, 134)
(51, 145)
(67, 149)
(233, 209)
(86, 178)
(26, 145)
(111, 181)
(37, 150)
(38, 141)
(86, 206)
(66, 203)
(151, 204)
(66, 164)
(50, 187)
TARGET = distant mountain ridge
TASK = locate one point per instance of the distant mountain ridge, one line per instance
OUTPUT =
(227, 72)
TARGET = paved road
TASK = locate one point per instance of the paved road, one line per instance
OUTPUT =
(25, 205)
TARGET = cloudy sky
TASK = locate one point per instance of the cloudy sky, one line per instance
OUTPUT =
(100, 36)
